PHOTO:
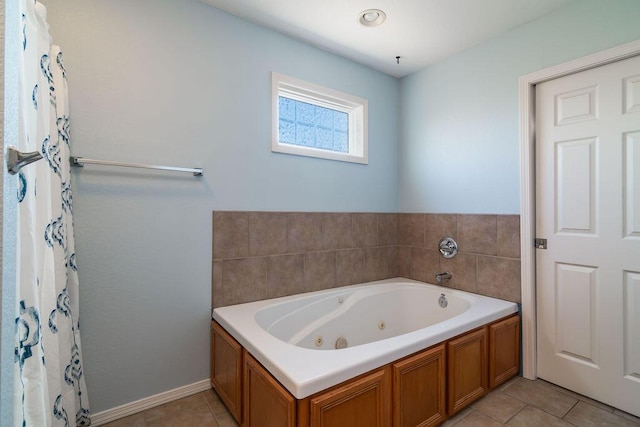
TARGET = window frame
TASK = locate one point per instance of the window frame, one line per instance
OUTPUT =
(356, 108)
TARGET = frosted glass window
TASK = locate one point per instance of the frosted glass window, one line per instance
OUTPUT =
(310, 120)
(310, 125)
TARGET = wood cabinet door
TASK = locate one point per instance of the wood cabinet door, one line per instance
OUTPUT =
(226, 369)
(467, 371)
(363, 402)
(266, 402)
(419, 389)
(504, 350)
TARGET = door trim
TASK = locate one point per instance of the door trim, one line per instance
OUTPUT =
(527, 84)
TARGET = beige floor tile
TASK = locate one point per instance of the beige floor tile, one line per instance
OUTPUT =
(226, 420)
(173, 410)
(627, 416)
(499, 406)
(541, 396)
(578, 396)
(159, 412)
(136, 420)
(585, 415)
(457, 417)
(190, 419)
(214, 402)
(534, 417)
(508, 383)
(190, 402)
(477, 419)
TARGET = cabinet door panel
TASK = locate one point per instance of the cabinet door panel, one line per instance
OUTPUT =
(226, 369)
(467, 372)
(266, 402)
(504, 350)
(363, 402)
(419, 389)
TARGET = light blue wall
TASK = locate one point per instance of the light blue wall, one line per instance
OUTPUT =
(459, 149)
(178, 82)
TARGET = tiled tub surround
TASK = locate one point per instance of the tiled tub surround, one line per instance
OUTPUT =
(260, 255)
(488, 259)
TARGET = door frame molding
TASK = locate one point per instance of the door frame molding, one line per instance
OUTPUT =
(527, 106)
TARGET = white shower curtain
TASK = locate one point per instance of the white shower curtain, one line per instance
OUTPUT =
(49, 383)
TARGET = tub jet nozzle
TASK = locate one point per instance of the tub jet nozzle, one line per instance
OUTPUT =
(341, 343)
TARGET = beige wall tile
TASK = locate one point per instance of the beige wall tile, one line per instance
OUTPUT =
(267, 233)
(349, 267)
(337, 231)
(404, 261)
(216, 284)
(230, 234)
(319, 271)
(509, 236)
(285, 275)
(463, 272)
(411, 230)
(305, 232)
(499, 278)
(477, 234)
(244, 280)
(375, 264)
(238, 235)
(365, 229)
(387, 229)
(438, 226)
(392, 261)
(425, 264)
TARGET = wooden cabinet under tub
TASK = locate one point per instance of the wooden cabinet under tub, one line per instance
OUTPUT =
(226, 369)
(422, 389)
(504, 350)
(362, 402)
(467, 372)
(419, 383)
(266, 402)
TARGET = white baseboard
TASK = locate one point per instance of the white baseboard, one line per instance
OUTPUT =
(127, 409)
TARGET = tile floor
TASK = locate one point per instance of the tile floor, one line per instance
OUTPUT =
(518, 403)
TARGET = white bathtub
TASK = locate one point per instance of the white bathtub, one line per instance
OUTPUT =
(295, 337)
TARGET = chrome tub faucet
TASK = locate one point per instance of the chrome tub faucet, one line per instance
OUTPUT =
(440, 277)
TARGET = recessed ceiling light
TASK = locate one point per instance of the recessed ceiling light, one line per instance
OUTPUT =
(372, 17)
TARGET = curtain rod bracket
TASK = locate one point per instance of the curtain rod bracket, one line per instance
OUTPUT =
(16, 159)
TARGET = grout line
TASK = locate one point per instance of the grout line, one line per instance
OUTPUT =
(517, 412)
(570, 409)
(304, 253)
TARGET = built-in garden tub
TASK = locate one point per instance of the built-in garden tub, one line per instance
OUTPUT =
(379, 333)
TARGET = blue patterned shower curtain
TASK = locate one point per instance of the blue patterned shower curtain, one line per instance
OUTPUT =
(49, 383)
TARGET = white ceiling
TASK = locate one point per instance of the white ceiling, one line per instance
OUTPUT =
(421, 32)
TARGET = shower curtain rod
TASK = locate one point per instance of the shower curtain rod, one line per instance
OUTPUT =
(80, 162)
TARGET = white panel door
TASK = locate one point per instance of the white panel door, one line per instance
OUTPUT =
(588, 209)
